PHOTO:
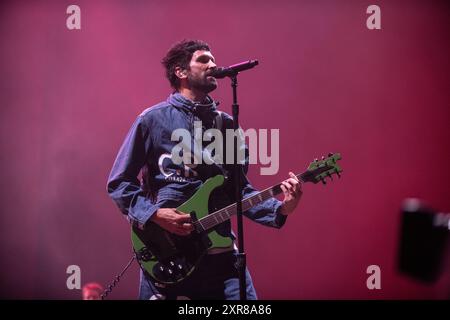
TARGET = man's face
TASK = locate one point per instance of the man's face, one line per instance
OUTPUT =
(202, 63)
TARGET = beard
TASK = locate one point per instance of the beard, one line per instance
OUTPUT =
(202, 83)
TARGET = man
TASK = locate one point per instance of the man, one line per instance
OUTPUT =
(92, 291)
(166, 184)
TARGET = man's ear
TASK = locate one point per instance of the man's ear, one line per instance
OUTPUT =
(181, 73)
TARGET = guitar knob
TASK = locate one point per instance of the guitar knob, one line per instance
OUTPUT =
(181, 270)
(144, 254)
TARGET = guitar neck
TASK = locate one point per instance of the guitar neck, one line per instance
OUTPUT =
(224, 214)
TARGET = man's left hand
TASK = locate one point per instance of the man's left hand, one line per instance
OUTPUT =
(292, 190)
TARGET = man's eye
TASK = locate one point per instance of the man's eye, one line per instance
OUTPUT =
(204, 60)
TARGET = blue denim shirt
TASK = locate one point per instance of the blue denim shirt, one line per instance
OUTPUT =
(148, 147)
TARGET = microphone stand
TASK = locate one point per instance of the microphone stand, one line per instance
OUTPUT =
(241, 258)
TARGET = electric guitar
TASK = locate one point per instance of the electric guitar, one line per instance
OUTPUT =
(169, 258)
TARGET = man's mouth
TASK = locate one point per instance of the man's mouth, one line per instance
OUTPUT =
(209, 74)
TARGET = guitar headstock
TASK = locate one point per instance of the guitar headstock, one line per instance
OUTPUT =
(318, 170)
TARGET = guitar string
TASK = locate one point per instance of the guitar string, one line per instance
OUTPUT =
(209, 221)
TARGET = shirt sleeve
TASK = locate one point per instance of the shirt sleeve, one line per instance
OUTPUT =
(123, 184)
(267, 212)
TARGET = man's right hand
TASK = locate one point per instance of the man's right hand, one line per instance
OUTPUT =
(173, 221)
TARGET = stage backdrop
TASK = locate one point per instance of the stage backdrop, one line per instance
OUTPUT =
(325, 80)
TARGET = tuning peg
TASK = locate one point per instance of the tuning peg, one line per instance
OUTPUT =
(316, 160)
(337, 172)
(330, 154)
(323, 181)
(329, 174)
(323, 158)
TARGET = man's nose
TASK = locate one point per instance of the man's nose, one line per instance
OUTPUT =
(212, 65)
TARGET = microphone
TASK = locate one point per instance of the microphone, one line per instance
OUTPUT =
(233, 70)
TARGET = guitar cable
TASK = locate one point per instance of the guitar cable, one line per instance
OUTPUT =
(116, 280)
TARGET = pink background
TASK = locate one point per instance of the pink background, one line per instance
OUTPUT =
(379, 97)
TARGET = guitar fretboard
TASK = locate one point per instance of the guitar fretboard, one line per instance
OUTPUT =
(224, 214)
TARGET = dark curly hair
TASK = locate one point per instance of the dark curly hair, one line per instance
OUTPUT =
(179, 55)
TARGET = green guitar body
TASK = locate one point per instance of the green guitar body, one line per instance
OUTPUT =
(169, 258)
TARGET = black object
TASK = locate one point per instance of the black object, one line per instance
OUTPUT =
(233, 70)
(117, 279)
(241, 258)
(423, 240)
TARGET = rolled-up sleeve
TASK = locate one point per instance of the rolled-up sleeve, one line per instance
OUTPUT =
(267, 212)
(123, 184)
